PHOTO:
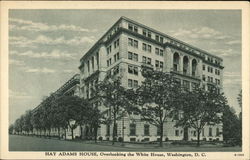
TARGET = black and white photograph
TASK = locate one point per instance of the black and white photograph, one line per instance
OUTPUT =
(153, 83)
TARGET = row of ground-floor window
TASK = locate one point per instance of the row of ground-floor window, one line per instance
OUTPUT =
(137, 131)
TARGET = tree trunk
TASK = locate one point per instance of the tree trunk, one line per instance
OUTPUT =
(72, 133)
(198, 137)
(161, 135)
(81, 131)
(58, 131)
(95, 132)
(185, 137)
(114, 129)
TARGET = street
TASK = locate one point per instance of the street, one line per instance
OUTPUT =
(29, 143)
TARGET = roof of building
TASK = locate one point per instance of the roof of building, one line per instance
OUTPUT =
(153, 30)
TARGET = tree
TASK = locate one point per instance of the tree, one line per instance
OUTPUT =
(113, 96)
(69, 108)
(200, 107)
(11, 129)
(35, 120)
(28, 127)
(231, 126)
(157, 96)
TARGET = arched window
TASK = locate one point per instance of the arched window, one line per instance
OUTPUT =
(194, 66)
(185, 64)
(176, 61)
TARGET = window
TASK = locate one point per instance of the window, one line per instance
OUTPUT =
(161, 65)
(146, 130)
(204, 67)
(157, 64)
(88, 67)
(116, 70)
(203, 77)
(210, 133)
(149, 61)
(132, 129)
(130, 81)
(135, 84)
(211, 70)
(176, 132)
(130, 55)
(217, 132)
(116, 43)
(133, 70)
(130, 69)
(135, 28)
(135, 43)
(186, 84)
(144, 32)
(144, 46)
(157, 38)
(116, 56)
(130, 41)
(149, 48)
(135, 57)
(161, 52)
(149, 34)
(144, 59)
(157, 51)
(161, 39)
(108, 130)
(130, 27)
(92, 61)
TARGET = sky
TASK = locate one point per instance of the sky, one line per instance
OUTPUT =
(45, 46)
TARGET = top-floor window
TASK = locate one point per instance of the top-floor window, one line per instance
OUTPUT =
(144, 32)
(149, 34)
(116, 43)
(130, 27)
(161, 39)
(157, 37)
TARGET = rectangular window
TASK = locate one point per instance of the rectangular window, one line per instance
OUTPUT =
(210, 133)
(130, 55)
(148, 60)
(130, 81)
(144, 46)
(130, 27)
(204, 67)
(203, 77)
(135, 43)
(161, 52)
(217, 132)
(93, 64)
(135, 70)
(211, 70)
(132, 129)
(176, 132)
(130, 69)
(161, 65)
(186, 84)
(149, 34)
(146, 130)
(161, 39)
(144, 32)
(157, 51)
(115, 58)
(144, 59)
(157, 64)
(136, 29)
(88, 67)
(108, 130)
(107, 62)
(135, 57)
(149, 48)
(130, 42)
(135, 84)
(118, 55)
(157, 38)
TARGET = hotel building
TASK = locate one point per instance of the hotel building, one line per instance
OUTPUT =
(127, 47)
